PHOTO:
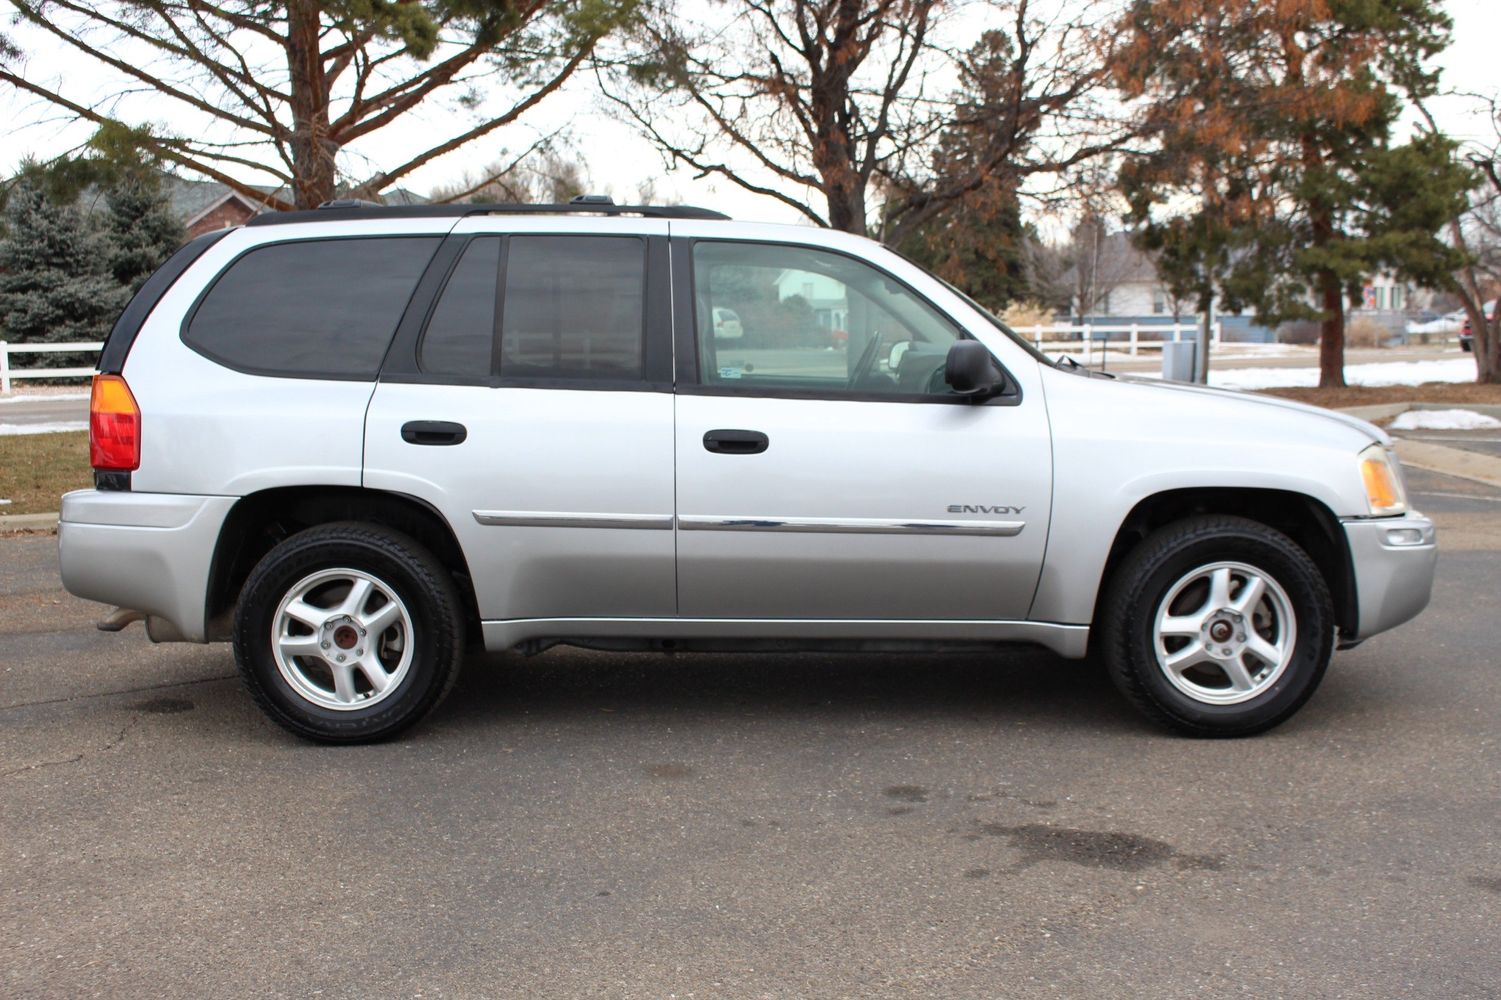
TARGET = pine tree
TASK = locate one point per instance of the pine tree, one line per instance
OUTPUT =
(55, 284)
(143, 231)
(1275, 117)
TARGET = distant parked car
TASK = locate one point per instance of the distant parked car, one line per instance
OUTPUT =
(1445, 324)
(727, 325)
(1467, 334)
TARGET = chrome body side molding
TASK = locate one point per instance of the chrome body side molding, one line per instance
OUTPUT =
(850, 525)
(548, 519)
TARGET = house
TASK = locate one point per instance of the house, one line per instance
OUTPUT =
(206, 206)
(825, 296)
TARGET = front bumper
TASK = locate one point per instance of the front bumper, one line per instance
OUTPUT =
(1393, 560)
(148, 552)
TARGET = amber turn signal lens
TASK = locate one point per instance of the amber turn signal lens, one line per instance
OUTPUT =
(1381, 487)
(114, 426)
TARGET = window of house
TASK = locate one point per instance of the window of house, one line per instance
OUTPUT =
(310, 308)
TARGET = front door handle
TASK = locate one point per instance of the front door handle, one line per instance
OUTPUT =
(731, 442)
(438, 432)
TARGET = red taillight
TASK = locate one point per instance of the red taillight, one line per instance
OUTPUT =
(114, 426)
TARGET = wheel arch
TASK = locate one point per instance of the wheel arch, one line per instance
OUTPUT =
(259, 521)
(1304, 519)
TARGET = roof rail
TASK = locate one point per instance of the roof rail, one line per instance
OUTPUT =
(350, 208)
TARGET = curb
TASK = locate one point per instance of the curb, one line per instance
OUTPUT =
(1470, 465)
(28, 522)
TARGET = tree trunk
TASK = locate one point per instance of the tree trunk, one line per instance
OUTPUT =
(313, 171)
(1489, 370)
(1331, 331)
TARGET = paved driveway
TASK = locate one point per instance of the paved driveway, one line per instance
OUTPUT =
(585, 824)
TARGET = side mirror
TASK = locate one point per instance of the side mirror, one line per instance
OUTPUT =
(970, 370)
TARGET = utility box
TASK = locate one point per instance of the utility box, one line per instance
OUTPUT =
(1178, 360)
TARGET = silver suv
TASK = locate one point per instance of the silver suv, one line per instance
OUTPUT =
(355, 441)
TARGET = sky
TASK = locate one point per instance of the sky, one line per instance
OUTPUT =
(618, 159)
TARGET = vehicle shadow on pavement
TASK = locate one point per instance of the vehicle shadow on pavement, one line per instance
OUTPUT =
(1026, 686)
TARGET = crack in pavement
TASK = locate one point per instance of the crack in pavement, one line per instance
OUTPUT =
(109, 694)
(106, 748)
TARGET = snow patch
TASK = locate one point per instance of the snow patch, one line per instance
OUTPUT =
(57, 427)
(41, 397)
(1444, 420)
(1374, 374)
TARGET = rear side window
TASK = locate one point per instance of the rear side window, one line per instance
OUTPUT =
(312, 308)
(461, 333)
(573, 307)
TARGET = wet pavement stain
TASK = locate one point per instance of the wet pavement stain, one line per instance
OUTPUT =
(906, 793)
(1096, 849)
(1491, 882)
(163, 706)
(669, 772)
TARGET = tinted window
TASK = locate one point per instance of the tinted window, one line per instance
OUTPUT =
(782, 317)
(461, 333)
(573, 307)
(316, 307)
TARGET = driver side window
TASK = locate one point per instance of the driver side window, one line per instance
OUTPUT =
(777, 317)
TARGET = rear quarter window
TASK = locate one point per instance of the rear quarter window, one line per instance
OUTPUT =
(310, 308)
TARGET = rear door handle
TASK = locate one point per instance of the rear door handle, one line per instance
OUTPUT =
(732, 442)
(438, 432)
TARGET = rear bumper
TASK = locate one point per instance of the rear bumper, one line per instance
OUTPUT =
(1393, 559)
(149, 552)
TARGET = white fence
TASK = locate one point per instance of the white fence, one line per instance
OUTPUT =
(9, 374)
(1134, 337)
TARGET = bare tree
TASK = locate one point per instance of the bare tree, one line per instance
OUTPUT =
(829, 105)
(538, 176)
(283, 88)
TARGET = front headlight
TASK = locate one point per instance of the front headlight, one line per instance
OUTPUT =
(1383, 481)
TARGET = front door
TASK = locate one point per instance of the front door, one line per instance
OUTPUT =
(825, 470)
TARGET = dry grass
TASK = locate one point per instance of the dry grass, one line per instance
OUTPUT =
(1360, 395)
(37, 469)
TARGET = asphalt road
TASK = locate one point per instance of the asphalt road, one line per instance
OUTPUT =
(52, 408)
(582, 824)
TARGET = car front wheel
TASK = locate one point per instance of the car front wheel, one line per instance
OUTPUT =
(1218, 626)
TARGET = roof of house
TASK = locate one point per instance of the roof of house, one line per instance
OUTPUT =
(1121, 261)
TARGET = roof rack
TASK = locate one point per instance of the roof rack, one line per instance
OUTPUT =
(586, 204)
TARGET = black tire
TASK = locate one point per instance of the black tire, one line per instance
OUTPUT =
(433, 631)
(1146, 579)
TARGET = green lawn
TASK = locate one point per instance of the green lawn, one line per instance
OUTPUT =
(37, 469)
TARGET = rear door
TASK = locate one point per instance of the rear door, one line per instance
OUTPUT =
(824, 468)
(532, 407)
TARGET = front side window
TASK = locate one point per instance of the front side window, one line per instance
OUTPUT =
(310, 308)
(779, 317)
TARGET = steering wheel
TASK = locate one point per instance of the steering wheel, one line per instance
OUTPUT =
(866, 364)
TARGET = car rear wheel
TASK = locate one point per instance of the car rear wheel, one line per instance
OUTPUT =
(1218, 626)
(348, 633)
